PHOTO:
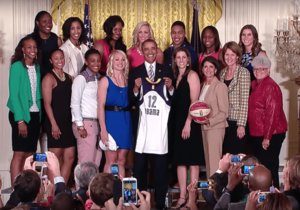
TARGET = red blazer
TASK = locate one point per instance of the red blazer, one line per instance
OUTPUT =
(265, 112)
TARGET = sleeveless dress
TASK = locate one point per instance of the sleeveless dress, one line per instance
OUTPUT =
(190, 151)
(47, 46)
(104, 60)
(247, 63)
(118, 124)
(135, 58)
(61, 100)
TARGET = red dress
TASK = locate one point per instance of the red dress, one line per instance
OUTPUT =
(265, 112)
(104, 60)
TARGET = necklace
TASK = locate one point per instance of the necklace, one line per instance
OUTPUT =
(139, 52)
(118, 84)
(208, 54)
(63, 78)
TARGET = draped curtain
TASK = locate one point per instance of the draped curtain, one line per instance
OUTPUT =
(159, 13)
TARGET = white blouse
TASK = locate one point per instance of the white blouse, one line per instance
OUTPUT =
(33, 84)
(203, 93)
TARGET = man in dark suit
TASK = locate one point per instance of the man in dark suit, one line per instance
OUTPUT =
(153, 71)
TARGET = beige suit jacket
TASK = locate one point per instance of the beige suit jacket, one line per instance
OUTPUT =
(217, 98)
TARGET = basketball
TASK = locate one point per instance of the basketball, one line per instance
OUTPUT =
(199, 110)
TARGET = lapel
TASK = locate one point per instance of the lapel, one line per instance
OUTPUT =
(72, 58)
(144, 72)
(158, 71)
(210, 88)
(234, 81)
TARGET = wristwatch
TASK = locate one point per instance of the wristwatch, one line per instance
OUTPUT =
(225, 190)
(80, 128)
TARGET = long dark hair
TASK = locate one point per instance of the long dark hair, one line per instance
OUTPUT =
(175, 67)
(67, 27)
(180, 23)
(216, 38)
(108, 26)
(19, 55)
(87, 55)
(256, 44)
(35, 35)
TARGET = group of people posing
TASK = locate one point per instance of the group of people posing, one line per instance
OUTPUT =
(77, 95)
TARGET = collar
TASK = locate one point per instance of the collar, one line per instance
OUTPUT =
(148, 64)
(259, 82)
(72, 45)
(182, 45)
(91, 74)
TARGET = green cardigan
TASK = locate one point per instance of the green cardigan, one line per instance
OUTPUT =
(20, 98)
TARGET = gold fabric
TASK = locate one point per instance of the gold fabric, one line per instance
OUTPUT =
(159, 13)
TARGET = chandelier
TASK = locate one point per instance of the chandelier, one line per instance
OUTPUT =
(288, 42)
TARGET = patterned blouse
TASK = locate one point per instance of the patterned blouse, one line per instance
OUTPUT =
(32, 79)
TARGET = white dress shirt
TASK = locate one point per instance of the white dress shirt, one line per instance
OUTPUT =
(147, 65)
(203, 93)
(84, 100)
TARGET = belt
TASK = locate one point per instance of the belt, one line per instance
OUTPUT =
(91, 119)
(117, 108)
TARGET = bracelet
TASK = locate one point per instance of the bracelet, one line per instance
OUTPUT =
(21, 121)
(80, 128)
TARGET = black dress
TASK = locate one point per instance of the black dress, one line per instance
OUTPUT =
(190, 151)
(61, 100)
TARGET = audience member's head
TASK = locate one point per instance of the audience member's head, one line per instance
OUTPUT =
(22, 207)
(84, 173)
(63, 201)
(101, 188)
(220, 181)
(260, 178)
(250, 160)
(27, 186)
(291, 171)
(277, 201)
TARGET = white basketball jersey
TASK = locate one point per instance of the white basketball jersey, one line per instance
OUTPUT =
(154, 105)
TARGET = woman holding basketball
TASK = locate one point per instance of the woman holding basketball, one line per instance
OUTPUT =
(215, 94)
(188, 147)
(237, 79)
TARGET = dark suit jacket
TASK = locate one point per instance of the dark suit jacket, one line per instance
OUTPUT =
(161, 71)
(224, 203)
(82, 193)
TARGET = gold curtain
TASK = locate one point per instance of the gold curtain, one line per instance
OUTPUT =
(159, 13)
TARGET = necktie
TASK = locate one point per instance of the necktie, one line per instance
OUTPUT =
(151, 73)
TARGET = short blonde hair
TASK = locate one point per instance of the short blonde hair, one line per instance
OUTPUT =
(110, 71)
(135, 42)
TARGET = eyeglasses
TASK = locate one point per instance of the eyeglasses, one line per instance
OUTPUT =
(260, 69)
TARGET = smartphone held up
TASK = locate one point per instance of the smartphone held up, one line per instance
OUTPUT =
(129, 191)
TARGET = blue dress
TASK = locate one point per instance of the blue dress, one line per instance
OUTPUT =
(247, 63)
(118, 124)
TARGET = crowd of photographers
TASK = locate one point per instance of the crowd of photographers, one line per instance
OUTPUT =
(232, 186)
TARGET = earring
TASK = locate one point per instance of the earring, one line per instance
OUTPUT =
(187, 64)
(36, 57)
(24, 55)
(237, 59)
